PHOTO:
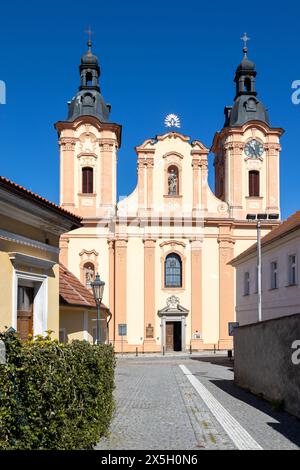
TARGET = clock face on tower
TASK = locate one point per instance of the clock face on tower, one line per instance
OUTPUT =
(254, 148)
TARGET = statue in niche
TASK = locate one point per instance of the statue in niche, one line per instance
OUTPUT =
(172, 181)
(89, 274)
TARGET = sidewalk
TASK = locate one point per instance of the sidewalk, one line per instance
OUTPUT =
(173, 354)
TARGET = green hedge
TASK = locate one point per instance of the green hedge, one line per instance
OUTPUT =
(55, 396)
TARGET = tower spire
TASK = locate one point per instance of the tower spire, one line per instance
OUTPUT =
(89, 100)
(246, 106)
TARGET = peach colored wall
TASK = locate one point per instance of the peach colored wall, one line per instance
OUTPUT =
(237, 166)
(94, 146)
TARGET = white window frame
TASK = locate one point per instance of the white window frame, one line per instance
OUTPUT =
(40, 305)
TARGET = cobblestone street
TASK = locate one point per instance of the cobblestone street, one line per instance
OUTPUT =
(178, 403)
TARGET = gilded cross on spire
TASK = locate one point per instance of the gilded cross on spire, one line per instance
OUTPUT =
(245, 39)
(89, 32)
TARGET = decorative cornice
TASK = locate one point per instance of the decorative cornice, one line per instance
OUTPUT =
(67, 143)
(172, 242)
(173, 135)
(173, 154)
(88, 252)
(225, 241)
(87, 155)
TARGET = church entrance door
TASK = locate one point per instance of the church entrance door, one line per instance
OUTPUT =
(173, 336)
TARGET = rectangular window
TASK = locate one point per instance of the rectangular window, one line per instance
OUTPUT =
(87, 180)
(274, 275)
(292, 270)
(254, 183)
(246, 283)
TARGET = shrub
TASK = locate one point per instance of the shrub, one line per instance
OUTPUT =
(55, 396)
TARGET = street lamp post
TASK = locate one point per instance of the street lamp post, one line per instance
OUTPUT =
(98, 288)
(259, 303)
(259, 218)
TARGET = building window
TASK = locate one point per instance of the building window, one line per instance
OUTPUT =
(173, 271)
(89, 274)
(292, 270)
(274, 275)
(173, 181)
(87, 180)
(247, 283)
(254, 183)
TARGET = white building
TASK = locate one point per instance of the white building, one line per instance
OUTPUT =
(280, 275)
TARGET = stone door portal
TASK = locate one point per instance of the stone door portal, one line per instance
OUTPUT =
(173, 325)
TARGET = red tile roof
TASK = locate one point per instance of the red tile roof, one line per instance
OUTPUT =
(6, 183)
(73, 292)
(289, 225)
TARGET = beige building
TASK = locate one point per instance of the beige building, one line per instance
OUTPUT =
(164, 251)
(30, 227)
(280, 275)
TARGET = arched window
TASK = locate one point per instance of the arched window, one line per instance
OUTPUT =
(87, 180)
(173, 271)
(173, 181)
(89, 274)
(253, 183)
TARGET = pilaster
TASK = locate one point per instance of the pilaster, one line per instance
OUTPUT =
(226, 285)
(196, 294)
(149, 294)
(121, 289)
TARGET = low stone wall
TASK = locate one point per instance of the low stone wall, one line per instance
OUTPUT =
(267, 360)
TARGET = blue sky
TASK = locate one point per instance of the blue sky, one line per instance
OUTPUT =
(156, 58)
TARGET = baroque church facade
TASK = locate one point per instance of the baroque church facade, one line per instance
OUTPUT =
(164, 251)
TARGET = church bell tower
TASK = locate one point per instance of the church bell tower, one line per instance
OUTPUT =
(247, 150)
(89, 142)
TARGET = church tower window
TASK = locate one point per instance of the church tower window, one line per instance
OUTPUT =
(87, 180)
(254, 183)
(173, 271)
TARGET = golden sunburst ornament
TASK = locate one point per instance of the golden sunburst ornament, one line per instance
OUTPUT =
(172, 120)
